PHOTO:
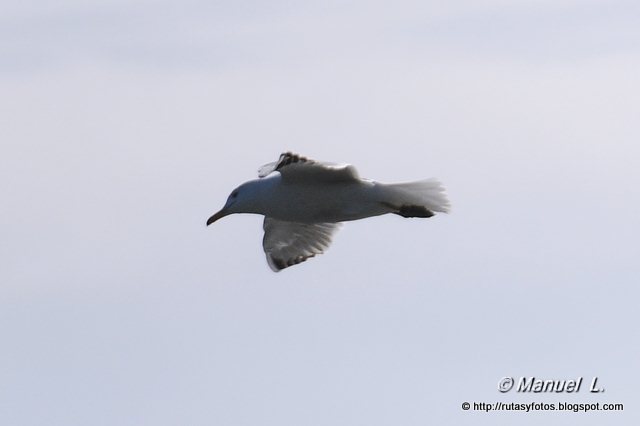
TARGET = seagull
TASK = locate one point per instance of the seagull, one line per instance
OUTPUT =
(304, 202)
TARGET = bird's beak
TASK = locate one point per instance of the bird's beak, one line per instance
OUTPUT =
(222, 213)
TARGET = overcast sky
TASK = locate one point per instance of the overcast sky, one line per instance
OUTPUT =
(124, 125)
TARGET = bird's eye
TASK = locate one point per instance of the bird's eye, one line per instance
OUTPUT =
(234, 194)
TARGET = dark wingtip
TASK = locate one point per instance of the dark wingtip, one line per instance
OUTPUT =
(277, 264)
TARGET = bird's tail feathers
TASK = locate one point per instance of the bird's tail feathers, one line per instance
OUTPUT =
(417, 199)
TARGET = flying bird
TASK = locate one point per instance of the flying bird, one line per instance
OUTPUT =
(304, 202)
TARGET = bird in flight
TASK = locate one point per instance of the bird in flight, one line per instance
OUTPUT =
(304, 202)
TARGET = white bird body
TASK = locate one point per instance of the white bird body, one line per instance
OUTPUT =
(304, 201)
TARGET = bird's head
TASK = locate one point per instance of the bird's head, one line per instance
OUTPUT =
(241, 200)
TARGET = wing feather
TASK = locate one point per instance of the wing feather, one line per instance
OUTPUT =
(294, 167)
(288, 243)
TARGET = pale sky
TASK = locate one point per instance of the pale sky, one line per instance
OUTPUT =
(124, 125)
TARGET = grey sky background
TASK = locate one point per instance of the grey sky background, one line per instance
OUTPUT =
(124, 125)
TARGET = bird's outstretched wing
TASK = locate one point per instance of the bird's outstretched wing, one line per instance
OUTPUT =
(289, 243)
(294, 167)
